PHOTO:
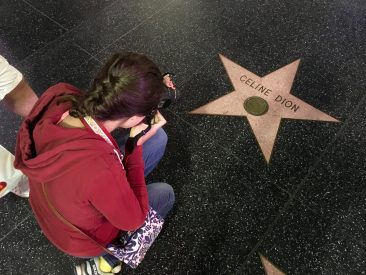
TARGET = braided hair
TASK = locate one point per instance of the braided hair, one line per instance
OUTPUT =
(128, 84)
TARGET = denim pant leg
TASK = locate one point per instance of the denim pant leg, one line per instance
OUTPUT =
(161, 197)
(153, 150)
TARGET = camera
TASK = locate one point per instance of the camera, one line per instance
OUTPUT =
(169, 96)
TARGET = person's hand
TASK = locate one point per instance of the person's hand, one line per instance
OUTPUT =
(168, 81)
(157, 122)
(138, 129)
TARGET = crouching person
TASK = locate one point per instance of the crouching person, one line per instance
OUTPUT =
(83, 191)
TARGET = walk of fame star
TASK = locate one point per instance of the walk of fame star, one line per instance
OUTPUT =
(269, 267)
(264, 101)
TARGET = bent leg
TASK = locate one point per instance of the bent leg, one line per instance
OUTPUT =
(153, 150)
(161, 197)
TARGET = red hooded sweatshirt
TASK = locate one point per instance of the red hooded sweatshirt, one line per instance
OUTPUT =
(83, 178)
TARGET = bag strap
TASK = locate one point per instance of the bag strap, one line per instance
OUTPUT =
(65, 221)
(88, 121)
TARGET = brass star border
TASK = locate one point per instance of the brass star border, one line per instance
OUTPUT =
(264, 101)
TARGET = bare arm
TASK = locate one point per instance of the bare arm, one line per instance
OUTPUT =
(21, 99)
(15, 92)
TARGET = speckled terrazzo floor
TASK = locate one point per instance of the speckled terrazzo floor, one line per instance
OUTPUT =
(304, 211)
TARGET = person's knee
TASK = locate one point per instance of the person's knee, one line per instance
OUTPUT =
(169, 198)
(162, 138)
(169, 194)
(153, 150)
(161, 197)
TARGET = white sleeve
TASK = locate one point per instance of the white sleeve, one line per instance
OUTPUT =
(9, 77)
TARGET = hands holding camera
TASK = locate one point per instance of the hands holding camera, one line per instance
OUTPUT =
(157, 121)
(168, 81)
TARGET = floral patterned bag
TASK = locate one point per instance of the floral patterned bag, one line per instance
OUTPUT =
(135, 244)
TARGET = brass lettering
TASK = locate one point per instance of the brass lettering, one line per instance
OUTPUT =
(289, 103)
(243, 77)
(295, 108)
(248, 81)
(262, 89)
(278, 98)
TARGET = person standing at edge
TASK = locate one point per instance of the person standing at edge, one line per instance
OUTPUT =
(83, 175)
(18, 97)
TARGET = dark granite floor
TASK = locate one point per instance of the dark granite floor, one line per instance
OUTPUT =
(304, 211)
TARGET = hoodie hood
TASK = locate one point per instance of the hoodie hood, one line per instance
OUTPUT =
(44, 150)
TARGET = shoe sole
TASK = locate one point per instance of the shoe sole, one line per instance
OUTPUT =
(79, 270)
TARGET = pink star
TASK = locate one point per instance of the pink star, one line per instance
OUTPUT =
(272, 93)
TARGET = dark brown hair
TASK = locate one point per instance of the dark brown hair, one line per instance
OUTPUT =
(128, 84)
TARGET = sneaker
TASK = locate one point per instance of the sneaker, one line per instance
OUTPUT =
(22, 189)
(104, 265)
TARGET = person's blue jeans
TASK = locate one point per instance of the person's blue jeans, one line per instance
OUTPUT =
(153, 150)
(161, 195)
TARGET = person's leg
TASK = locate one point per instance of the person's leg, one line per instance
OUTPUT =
(153, 150)
(11, 179)
(161, 197)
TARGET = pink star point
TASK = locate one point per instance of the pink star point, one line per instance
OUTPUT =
(269, 267)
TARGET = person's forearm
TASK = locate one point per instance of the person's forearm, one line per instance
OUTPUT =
(21, 99)
(134, 166)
